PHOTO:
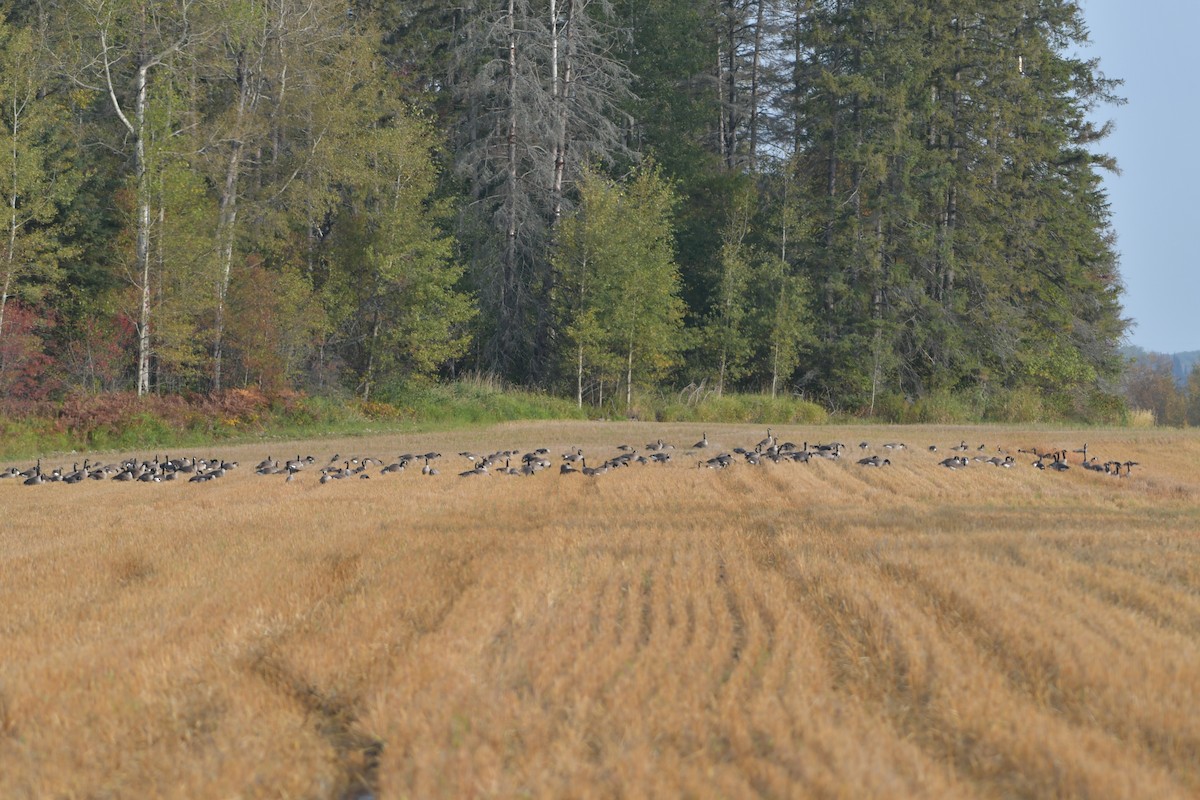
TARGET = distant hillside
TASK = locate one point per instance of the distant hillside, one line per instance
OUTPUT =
(1181, 363)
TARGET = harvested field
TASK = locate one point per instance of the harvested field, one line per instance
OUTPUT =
(817, 629)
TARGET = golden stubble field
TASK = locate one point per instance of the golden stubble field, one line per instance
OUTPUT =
(790, 630)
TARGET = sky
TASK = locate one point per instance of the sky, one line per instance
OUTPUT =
(1156, 198)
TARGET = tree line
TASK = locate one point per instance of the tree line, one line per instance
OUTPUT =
(858, 201)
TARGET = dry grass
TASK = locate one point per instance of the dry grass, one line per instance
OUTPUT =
(819, 630)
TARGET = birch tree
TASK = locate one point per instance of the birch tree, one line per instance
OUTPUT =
(621, 265)
(117, 46)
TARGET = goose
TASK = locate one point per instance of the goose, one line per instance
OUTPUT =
(874, 461)
(961, 447)
(717, 462)
(765, 443)
(702, 443)
(36, 478)
(566, 469)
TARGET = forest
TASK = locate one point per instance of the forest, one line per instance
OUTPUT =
(862, 203)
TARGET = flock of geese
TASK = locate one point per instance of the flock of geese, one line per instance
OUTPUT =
(574, 461)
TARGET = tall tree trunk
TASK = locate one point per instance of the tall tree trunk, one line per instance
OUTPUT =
(754, 86)
(507, 288)
(226, 221)
(10, 257)
(579, 377)
(143, 231)
(248, 96)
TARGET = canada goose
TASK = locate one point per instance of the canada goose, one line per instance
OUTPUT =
(702, 443)
(593, 471)
(954, 462)
(864, 445)
(765, 443)
(566, 469)
(716, 462)
(36, 478)
(874, 461)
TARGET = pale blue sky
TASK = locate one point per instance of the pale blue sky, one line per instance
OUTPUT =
(1155, 199)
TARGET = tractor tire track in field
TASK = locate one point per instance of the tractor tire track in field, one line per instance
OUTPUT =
(1038, 673)
(357, 753)
(335, 715)
(888, 654)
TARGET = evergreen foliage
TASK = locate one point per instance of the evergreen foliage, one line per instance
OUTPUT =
(872, 204)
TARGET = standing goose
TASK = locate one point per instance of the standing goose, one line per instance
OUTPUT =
(703, 442)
